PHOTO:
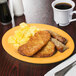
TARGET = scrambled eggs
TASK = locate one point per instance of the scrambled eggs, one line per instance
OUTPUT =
(22, 35)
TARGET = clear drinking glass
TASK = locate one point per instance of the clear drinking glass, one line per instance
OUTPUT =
(5, 16)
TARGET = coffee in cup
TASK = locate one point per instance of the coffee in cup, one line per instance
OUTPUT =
(63, 11)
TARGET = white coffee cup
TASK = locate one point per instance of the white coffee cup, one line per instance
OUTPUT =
(63, 17)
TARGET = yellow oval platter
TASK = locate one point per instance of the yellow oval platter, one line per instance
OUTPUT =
(9, 48)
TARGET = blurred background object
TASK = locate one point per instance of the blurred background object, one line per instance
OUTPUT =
(5, 16)
(37, 11)
(18, 7)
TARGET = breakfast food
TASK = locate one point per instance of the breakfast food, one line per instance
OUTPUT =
(35, 43)
(58, 37)
(22, 35)
(60, 46)
(47, 51)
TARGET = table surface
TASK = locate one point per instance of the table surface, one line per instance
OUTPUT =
(10, 66)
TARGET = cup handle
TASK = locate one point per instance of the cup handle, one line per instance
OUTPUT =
(72, 14)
